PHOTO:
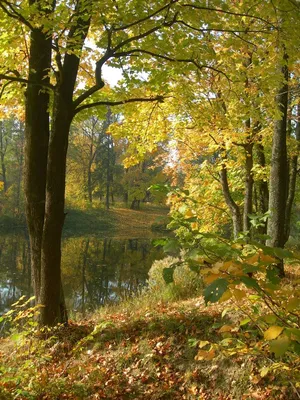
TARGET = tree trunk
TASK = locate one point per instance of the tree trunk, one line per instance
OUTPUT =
(45, 161)
(279, 172)
(292, 179)
(90, 188)
(2, 157)
(234, 208)
(36, 148)
(262, 186)
(51, 288)
(248, 197)
(107, 176)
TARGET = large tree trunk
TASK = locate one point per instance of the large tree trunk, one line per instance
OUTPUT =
(279, 172)
(36, 147)
(45, 162)
(51, 288)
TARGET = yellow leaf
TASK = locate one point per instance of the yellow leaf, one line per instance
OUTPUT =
(205, 355)
(267, 259)
(216, 268)
(252, 260)
(264, 371)
(239, 294)
(205, 271)
(273, 332)
(211, 278)
(225, 296)
(226, 328)
(189, 214)
(194, 226)
(203, 343)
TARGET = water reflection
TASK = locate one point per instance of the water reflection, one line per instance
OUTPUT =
(95, 270)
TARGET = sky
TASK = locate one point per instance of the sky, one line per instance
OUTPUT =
(111, 75)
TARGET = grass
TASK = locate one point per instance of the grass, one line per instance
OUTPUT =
(117, 222)
(140, 349)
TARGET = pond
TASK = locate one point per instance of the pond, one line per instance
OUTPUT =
(95, 270)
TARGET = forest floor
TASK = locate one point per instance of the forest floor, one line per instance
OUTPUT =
(144, 349)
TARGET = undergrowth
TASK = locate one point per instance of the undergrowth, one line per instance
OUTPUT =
(144, 348)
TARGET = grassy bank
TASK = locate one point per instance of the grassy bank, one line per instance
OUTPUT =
(144, 348)
(117, 221)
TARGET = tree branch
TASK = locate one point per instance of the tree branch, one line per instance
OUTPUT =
(158, 98)
(229, 13)
(234, 31)
(12, 13)
(23, 80)
(171, 59)
(121, 28)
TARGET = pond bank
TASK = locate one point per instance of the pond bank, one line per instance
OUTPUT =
(117, 222)
(140, 349)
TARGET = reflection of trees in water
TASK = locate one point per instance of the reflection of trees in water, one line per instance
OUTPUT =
(98, 271)
(15, 275)
(95, 271)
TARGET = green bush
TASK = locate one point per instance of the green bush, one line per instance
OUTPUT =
(186, 283)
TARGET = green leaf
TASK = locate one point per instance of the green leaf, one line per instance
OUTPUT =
(168, 275)
(172, 246)
(159, 188)
(159, 242)
(270, 318)
(283, 253)
(280, 345)
(245, 321)
(293, 304)
(194, 266)
(215, 290)
(273, 275)
(250, 282)
(295, 332)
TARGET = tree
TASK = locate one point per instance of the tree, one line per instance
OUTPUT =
(55, 34)
(62, 43)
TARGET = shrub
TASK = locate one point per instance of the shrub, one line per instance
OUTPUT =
(186, 283)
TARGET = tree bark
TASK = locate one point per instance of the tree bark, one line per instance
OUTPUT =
(262, 186)
(279, 172)
(36, 147)
(234, 208)
(248, 197)
(45, 163)
(2, 157)
(293, 169)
